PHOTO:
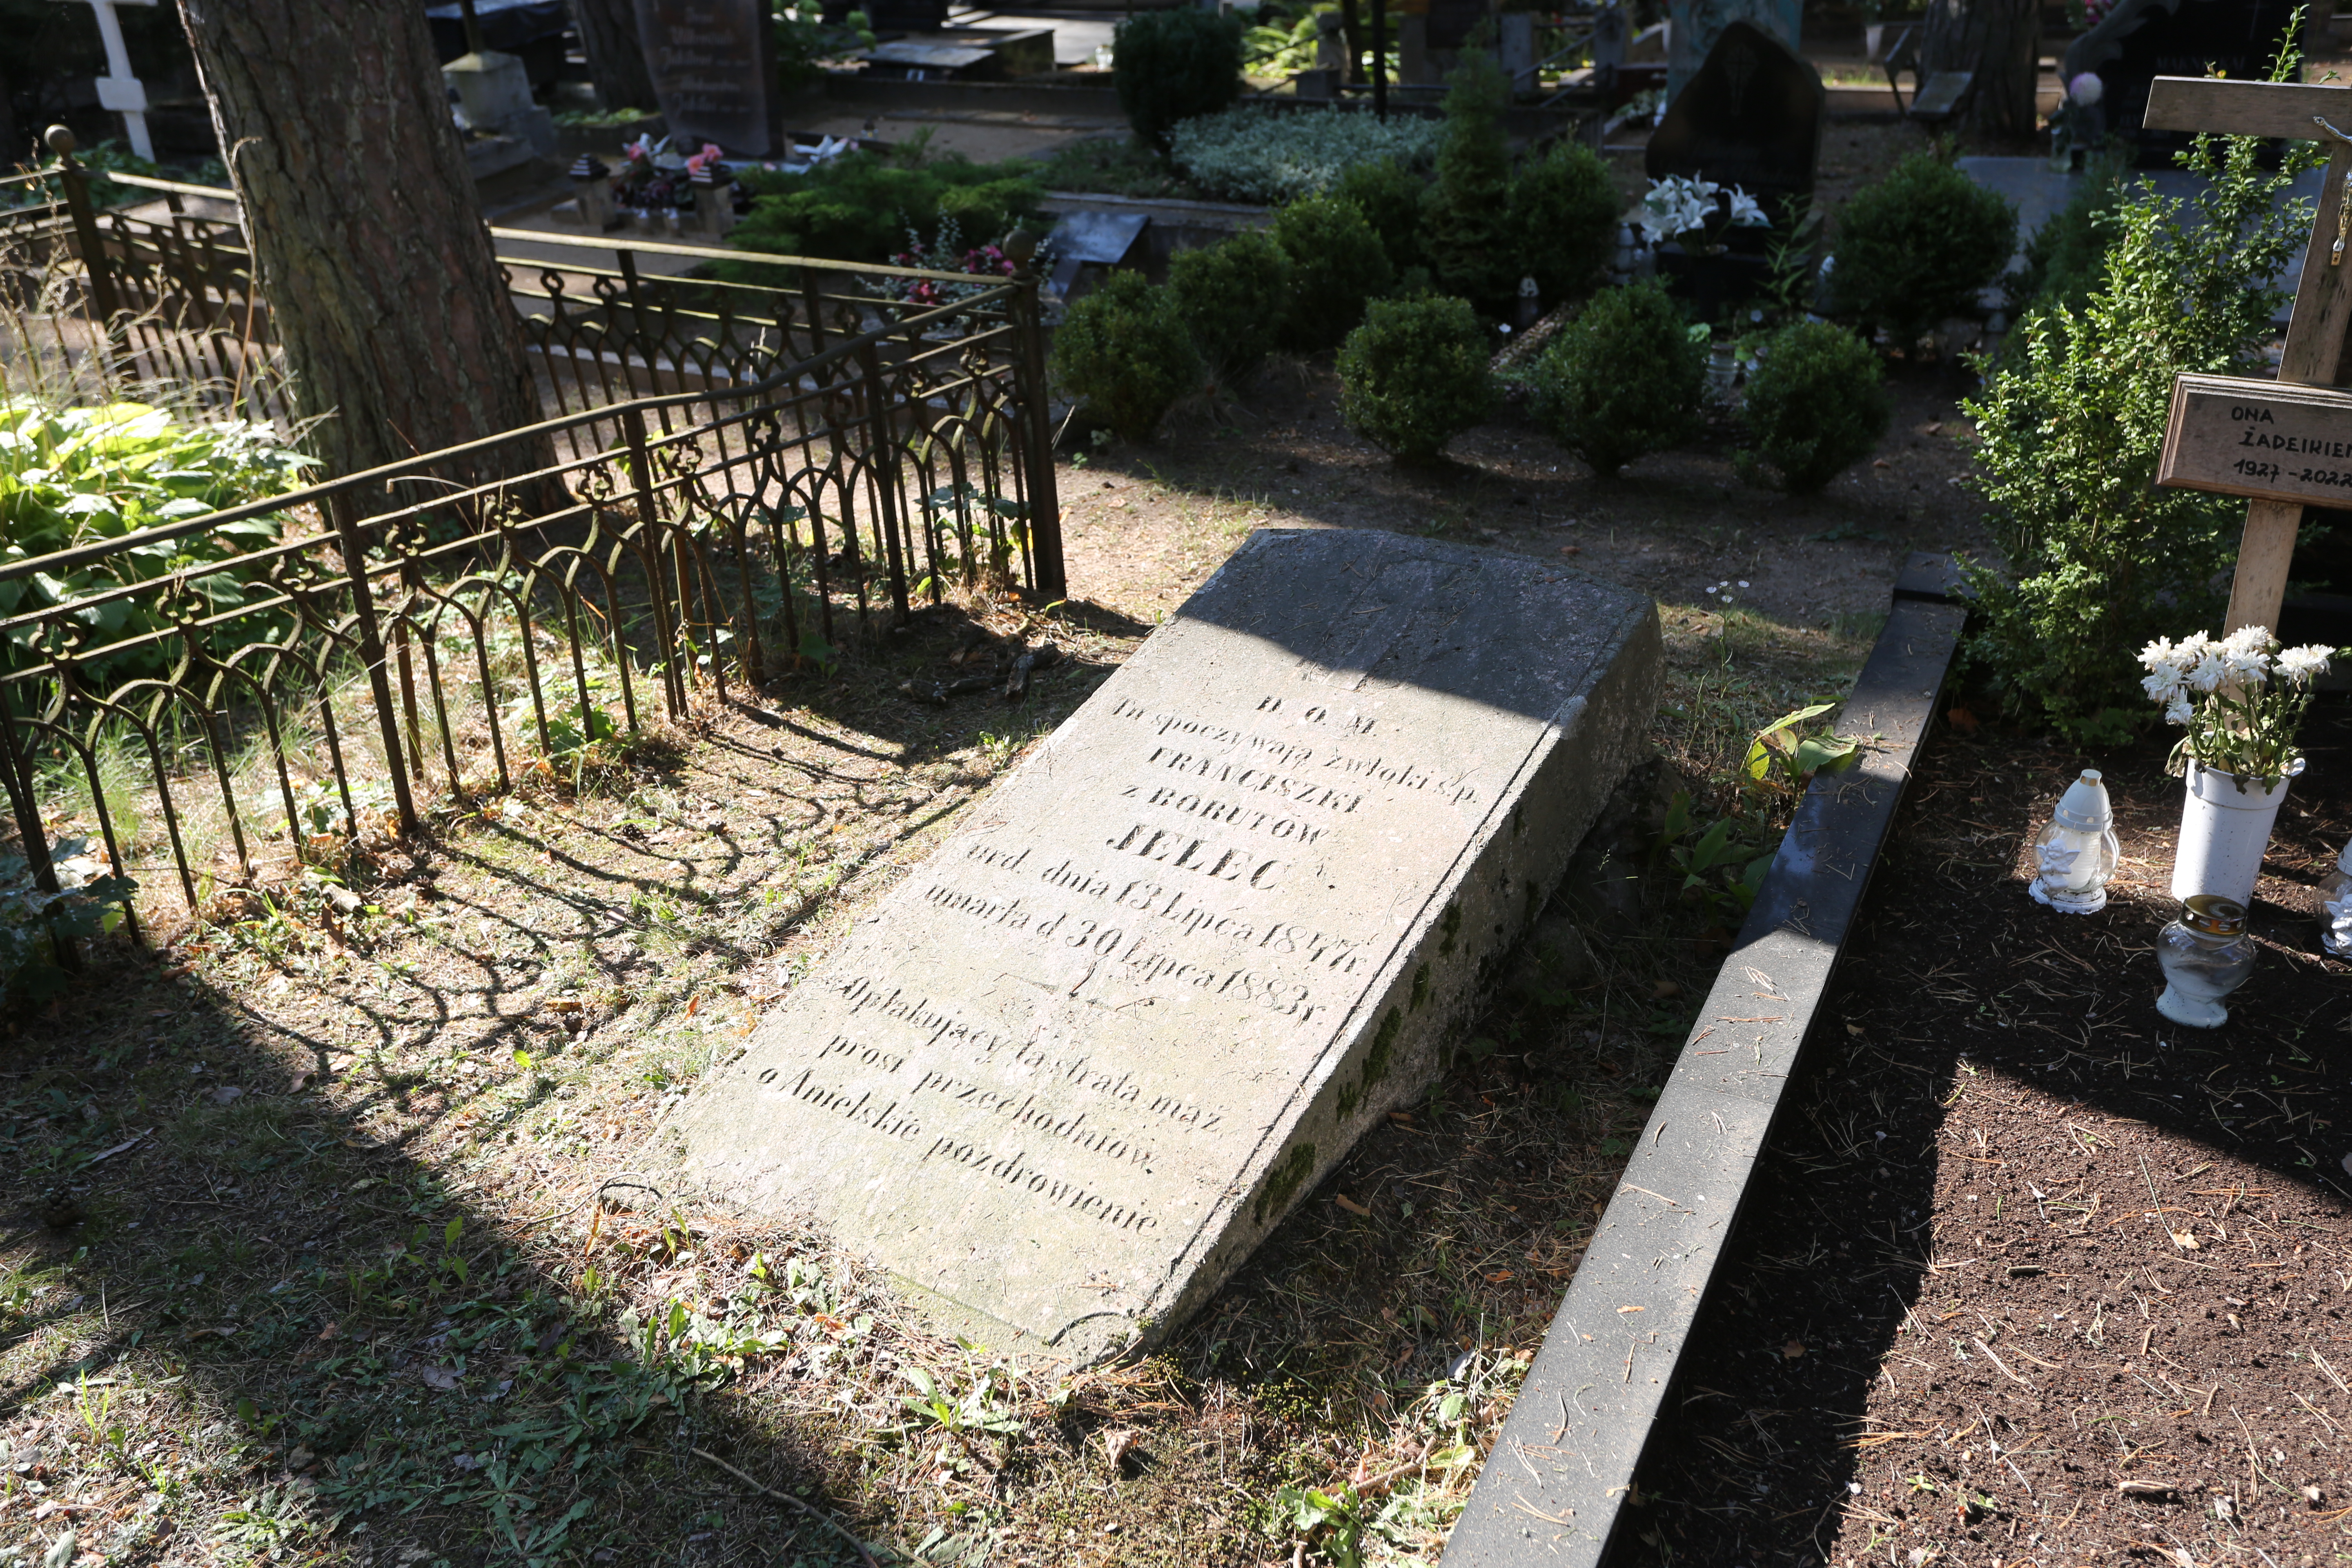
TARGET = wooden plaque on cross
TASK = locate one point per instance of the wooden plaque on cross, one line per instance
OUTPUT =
(2196, 442)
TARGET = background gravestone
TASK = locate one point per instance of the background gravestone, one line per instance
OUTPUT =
(1751, 117)
(714, 70)
(2143, 39)
(1070, 1071)
(1697, 24)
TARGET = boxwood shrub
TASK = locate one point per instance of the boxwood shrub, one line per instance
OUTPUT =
(1816, 404)
(1414, 375)
(1621, 381)
(1915, 248)
(1123, 350)
(1337, 263)
(1231, 297)
(1173, 65)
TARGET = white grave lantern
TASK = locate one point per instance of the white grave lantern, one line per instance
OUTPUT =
(117, 91)
(2076, 854)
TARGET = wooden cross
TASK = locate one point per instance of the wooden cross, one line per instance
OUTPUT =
(118, 89)
(2272, 440)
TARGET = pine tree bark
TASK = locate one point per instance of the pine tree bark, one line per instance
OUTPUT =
(616, 57)
(364, 224)
(2000, 40)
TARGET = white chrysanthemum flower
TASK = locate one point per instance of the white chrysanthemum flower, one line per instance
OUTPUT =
(2161, 654)
(2209, 672)
(2177, 710)
(2163, 685)
(2300, 664)
(2247, 640)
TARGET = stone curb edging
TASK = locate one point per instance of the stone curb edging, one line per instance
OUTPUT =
(1555, 1484)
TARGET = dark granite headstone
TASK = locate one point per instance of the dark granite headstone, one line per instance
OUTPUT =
(2143, 39)
(1751, 117)
(714, 70)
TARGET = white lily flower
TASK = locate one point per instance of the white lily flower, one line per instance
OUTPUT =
(1746, 213)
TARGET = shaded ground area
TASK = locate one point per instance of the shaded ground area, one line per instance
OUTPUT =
(2031, 1275)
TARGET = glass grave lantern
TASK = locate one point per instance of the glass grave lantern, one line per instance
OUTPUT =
(2336, 908)
(2076, 853)
(2205, 954)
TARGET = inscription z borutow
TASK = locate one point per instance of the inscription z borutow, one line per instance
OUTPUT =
(1066, 1076)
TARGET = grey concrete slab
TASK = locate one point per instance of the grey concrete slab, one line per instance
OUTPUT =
(1082, 1060)
(2041, 192)
(1555, 1485)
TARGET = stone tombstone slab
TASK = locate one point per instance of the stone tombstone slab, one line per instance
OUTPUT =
(1700, 24)
(1067, 1074)
(2141, 40)
(714, 69)
(1752, 117)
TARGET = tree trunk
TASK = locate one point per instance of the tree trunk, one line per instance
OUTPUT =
(364, 226)
(2000, 40)
(616, 57)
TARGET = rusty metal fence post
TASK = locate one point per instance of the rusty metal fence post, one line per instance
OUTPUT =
(1037, 432)
(25, 804)
(99, 267)
(355, 571)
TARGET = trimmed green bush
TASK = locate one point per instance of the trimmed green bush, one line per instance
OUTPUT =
(1414, 376)
(1337, 263)
(1466, 220)
(1250, 153)
(1231, 297)
(1172, 65)
(1816, 404)
(1123, 350)
(860, 206)
(1389, 196)
(1564, 214)
(1915, 248)
(1621, 381)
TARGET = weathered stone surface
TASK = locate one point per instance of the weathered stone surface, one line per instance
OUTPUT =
(1076, 1067)
(1751, 117)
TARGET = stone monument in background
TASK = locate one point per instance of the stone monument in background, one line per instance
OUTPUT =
(714, 70)
(1697, 24)
(1067, 1074)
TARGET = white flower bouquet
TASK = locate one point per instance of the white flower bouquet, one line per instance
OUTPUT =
(2241, 698)
(1677, 205)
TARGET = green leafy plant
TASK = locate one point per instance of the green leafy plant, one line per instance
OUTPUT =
(2066, 258)
(1249, 153)
(1124, 350)
(1337, 264)
(1231, 298)
(1175, 64)
(1915, 248)
(90, 900)
(1783, 759)
(1563, 218)
(1621, 381)
(803, 39)
(1332, 1519)
(860, 205)
(1389, 196)
(1414, 375)
(1816, 404)
(2100, 562)
(1466, 219)
(81, 476)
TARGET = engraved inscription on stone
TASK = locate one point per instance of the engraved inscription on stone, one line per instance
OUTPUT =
(713, 66)
(2266, 439)
(1071, 1069)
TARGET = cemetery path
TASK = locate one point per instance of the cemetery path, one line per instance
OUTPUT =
(2032, 1276)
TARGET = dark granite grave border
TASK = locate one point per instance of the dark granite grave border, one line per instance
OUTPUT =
(1554, 1487)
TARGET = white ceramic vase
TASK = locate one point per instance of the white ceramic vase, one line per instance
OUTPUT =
(2223, 832)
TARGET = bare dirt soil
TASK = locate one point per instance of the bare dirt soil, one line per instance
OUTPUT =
(2031, 1274)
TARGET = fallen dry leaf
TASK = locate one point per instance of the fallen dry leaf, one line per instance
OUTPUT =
(2185, 1240)
(438, 1376)
(1793, 1349)
(1350, 1205)
(1116, 1446)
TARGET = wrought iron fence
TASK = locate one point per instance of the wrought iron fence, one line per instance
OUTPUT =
(437, 627)
(172, 301)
